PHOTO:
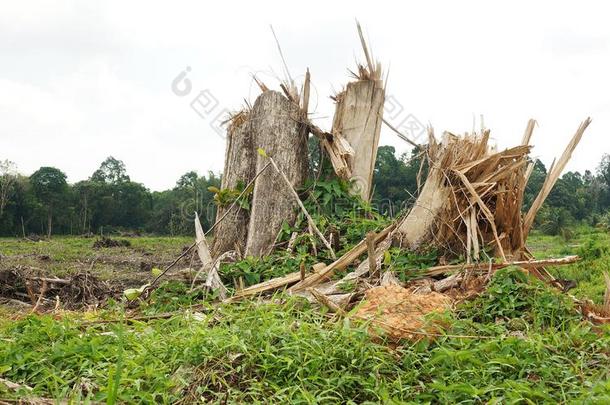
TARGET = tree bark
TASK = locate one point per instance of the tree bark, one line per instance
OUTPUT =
(418, 224)
(240, 166)
(278, 129)
(49, 222)
(358, 117)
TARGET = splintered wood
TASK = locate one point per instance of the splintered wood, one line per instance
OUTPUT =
(473, 196)
(400, 314)
(239, 169)
(469, 208)
(352, 143)
(275, 126)
(358, 115)
(470, 205)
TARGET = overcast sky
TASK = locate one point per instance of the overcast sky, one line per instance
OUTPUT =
(80, 81)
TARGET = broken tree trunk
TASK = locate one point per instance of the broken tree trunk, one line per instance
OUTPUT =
(239, 169)
(278, 129)
(473, 196)
(358, 117)
(415, 228)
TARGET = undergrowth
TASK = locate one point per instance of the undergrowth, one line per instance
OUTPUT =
(525, 344)
(518, 342)
(343, 218)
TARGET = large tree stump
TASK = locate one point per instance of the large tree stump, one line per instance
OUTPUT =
(358, 117)
(240, 166)
(419, 224)
(277, 128)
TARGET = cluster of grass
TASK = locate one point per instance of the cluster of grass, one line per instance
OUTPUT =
(529, 346)
(592, 245)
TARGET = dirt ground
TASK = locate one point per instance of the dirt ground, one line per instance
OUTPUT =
(94, 272)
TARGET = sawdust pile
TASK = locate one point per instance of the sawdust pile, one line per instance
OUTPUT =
(400, 313)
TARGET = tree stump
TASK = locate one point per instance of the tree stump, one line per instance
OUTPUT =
(239, 168)
(277, 128)
(358, 117)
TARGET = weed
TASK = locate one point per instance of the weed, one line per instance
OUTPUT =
(512, 294)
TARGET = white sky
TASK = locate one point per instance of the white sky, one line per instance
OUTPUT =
(80, 81)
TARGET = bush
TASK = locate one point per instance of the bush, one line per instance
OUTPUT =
(512, 294)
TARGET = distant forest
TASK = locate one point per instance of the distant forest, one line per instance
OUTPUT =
(109, 202)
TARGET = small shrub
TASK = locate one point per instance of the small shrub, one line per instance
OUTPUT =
(513, 294)
(592, 249)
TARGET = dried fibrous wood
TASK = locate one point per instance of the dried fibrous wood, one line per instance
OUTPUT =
(268, 285)
(526, 264)
(277, 128)
(389, 278)
(321, 271)
(333, 288)
(527, 135)
(14, 386)
(553, 176)
(339, 151)
(473, 196)
(240, 166)
(370, 246)
(447, 283)
(358, 117)
(210, 266)
(326, 301)
(50, 280)
(292, 241)
(418, 224)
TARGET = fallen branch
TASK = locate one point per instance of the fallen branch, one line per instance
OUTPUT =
(212, 280)
(43, 290)
(14, 386)
(154, 282)
(325, 301)
(341, 263)
(490, 267)
(268, 285)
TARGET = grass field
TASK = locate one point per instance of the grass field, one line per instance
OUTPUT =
(525, 342)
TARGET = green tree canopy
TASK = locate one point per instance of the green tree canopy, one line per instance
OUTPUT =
(50, 186)
(111, 171)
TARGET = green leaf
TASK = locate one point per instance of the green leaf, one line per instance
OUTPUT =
(262, 152)
(134, 293)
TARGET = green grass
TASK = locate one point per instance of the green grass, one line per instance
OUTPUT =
(68, 255)
(530, 344)
(592, 245)
(533, 347)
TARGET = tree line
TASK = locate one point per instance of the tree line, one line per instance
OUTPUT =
(108, 201)
(44, 203)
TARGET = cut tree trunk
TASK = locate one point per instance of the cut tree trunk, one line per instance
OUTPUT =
(240, 167)
(358, 117)
(278, 128)
(418, 224)
(49, 223)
